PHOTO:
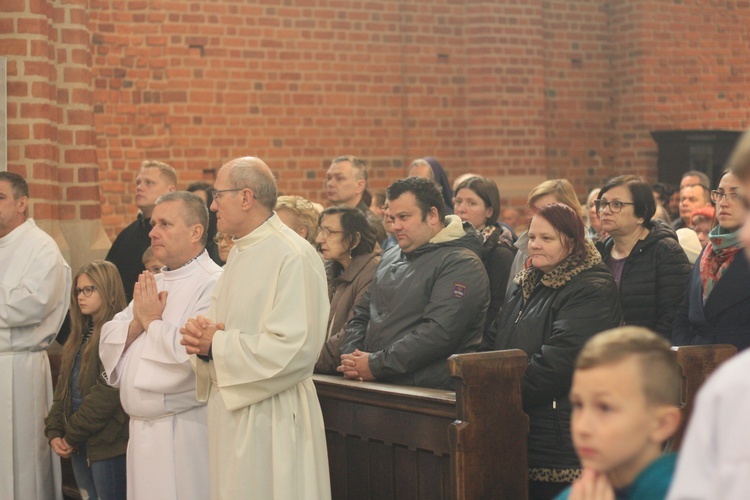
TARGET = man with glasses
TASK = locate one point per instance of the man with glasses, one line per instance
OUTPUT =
(694, 194)
(154, 179)
(257, 346)
(168, 449)
(34, 297)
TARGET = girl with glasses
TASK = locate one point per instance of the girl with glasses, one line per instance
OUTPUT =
(86, 422)
(643, 254)
(716, 307)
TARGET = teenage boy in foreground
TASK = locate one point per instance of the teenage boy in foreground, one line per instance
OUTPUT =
(625, 394)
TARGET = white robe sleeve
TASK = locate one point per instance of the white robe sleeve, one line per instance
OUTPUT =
(37, 295)
(254, 365)
(112, 344)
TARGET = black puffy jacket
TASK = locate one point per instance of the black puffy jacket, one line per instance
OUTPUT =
(653, 280)
(551, 327)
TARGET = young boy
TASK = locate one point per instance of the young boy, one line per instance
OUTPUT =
(626, 388)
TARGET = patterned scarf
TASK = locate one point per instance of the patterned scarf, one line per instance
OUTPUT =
(529, 278)
(718, 255)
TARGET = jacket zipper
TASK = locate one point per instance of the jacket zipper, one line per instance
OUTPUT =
(558, 427)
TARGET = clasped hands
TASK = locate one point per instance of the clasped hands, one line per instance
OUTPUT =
(148, 305)
(61, 447)
(198, 333)
(356, 366)
(592, 485)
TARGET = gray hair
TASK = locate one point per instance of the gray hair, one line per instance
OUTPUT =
(193, 210)
(358, 165)
(17, 184)
(252, 173)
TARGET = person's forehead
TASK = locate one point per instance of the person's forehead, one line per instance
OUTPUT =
(404, 203)
(167, 210)
(150, 172)
(342, 168)
(692, 190)
(6, 187)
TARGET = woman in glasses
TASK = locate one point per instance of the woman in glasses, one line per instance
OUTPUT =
(716, 307)
(348, 243)
(643, 254)
(86, 422)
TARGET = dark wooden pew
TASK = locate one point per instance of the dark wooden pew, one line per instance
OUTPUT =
(697, 362)
(387, 441)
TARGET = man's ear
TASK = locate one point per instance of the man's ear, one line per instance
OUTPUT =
(361, 185)
(248, 198)
(23, 204)
(171, 188)
(196, 233)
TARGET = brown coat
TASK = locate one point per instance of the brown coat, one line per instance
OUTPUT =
(345, 291)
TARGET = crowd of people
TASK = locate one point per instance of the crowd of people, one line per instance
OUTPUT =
(187, 363)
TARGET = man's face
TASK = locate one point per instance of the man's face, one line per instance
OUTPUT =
(173, 241)
(11, 210)
(691, 199)
(342, 185)
(228, 206)
(410, 230)
(149, 185)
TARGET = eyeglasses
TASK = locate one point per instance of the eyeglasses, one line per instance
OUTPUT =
(215, 192)
(222, 237)
(87, 291)
(716, 196)
(325, 232)
(614, 206)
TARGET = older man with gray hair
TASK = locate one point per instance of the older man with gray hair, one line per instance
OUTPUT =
(140, 348)
(257, 347)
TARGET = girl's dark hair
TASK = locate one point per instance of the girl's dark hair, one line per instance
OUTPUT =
(568, 225)
(643, 198)
(487, 190)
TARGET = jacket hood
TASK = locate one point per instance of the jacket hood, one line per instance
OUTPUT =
(455, 233)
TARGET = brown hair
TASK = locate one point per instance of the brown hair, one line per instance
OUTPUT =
(563, 192)
(659, 370)
(568, 225)
(487, 191)
(106, 278)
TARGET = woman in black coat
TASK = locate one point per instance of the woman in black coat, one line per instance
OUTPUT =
(644, 255)
(564, 298)
(477, 201)
(716, 307)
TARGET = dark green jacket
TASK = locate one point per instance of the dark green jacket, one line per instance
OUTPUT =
(100, 422)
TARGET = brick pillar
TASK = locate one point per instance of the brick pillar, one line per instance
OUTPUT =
(51, 140)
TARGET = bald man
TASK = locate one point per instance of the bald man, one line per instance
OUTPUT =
(257, 347)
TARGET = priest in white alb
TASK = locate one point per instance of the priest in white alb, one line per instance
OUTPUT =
(167, 456)
(34, 297)
(258, 345)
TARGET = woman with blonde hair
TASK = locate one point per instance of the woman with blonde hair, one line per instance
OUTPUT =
(551, 191)
(86, 422)
(300, 215)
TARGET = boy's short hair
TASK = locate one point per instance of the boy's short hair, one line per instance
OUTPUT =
(660, 372)
(147, 255)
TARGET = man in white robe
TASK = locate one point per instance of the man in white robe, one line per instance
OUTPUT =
(167, 455)
(258, 345)
(34, 297)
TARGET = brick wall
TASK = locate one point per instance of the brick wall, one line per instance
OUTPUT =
(517, 90)
(51, 137)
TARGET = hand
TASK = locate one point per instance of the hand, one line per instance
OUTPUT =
(592, 485)
(148, 302)
(356, 366)
(61, 447)
(198, 333)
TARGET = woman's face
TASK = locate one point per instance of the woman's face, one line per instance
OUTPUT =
(624, 222)
(89, 305)
(331, 238)
(225, 244)
(546, 247)
(471, 208)
(594, 221)
(730, 213)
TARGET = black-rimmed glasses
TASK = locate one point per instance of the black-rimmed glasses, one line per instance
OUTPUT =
(614, 206)
(87, 291)
(717, 195)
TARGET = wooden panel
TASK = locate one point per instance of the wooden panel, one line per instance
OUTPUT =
(698, 362)
(381, 471)
(406, 475)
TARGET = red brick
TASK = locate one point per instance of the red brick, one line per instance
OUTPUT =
(82, 193)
